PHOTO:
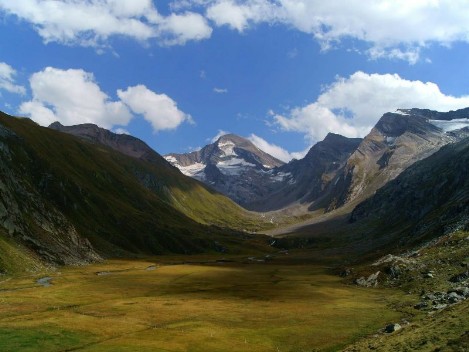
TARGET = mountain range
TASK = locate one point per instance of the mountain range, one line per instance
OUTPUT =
(335, 172)
(75, 194)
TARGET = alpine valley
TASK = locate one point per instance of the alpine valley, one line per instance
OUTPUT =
(105, 245)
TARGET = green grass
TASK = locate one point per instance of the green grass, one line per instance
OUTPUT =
(15, 258)
(189, 307)
(46, 338)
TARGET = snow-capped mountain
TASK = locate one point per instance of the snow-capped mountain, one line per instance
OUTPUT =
(234, 166)
(335, 172)
(398, 140)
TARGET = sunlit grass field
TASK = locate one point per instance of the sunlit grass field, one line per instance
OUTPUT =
(168, 305)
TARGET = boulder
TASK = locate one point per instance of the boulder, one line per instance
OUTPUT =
(371, 281)
(390, 328)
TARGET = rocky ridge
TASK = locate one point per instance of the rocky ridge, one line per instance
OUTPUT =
(233, 166)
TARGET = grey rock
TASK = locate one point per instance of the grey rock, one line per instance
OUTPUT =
(461, 291)
(390, 328)
(421, 305)
(460, 277)
(370, 281)
(440, 306)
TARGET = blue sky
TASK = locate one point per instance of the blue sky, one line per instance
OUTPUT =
(283, 73)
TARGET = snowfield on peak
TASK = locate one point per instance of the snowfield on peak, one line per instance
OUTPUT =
(450, 125)
(233, 166)
(227, 148)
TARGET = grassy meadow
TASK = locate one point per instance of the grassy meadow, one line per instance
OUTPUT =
(188, 304)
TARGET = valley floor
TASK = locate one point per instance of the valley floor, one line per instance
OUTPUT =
(190, 304)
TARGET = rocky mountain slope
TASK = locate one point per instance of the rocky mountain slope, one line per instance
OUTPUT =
(429, 198)
(397, 141)
(335, 172)
(310, 179)
(67, 201)
(257, 181)
(233, 166)
(122, 143)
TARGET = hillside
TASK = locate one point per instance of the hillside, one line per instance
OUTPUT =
(428, 199)
(67, 201)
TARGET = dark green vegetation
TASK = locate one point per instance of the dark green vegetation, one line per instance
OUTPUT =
(67, 201)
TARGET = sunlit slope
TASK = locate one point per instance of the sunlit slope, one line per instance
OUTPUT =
(71, 201)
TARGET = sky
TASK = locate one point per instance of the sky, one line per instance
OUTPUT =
(282, 73)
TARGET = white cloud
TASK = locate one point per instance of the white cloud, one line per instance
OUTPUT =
(158, 109)
(220, 90)
(72, 97)
(179, 29)
(85, 22)
(275, 150)
(121, 131)
(7, 79)
(352, 106)
(242, 15)
(394, 29)
(218, 135)
(93, 22)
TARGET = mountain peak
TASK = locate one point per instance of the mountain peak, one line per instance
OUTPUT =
(123, 143)
(394, 124)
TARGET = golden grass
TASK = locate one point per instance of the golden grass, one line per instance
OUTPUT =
(188, 307)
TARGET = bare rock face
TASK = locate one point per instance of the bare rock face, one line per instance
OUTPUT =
(429, 197)
(256, 180)
(47, 232)
(233, 166)
(397, 141)
(313, 177)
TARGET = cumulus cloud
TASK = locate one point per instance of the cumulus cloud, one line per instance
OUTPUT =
(72, 97)
(93, 22)
(238, 15)
(7, 79)
(218, 135)
(393, 29)
(158, 109)
(179, 29)
(121, 131)
(275, 150)
(352, 106)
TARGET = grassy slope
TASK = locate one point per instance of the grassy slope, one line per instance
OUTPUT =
(98, 192)
(15, 258)
(429, 330)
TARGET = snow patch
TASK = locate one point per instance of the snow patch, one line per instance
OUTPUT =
(227, 148)
(233, 166)
(450, 125)
(195, 170)
(171, 159)
(282, 176)
(402, 112)
(192, 170)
